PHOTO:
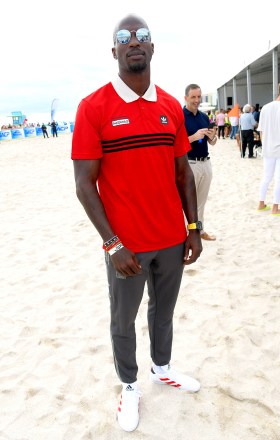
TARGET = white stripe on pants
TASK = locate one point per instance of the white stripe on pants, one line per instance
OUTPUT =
(271, 167)
(163, 272)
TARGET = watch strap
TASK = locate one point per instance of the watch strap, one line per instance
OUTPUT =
(191, 226)
(197, 225)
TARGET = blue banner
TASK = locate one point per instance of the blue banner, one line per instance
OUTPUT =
(39, 131)
(17, 133)
(63, 127)
(5, 135)
(30, 132)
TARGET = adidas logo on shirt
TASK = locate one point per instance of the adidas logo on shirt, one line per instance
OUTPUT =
(163, 119)
(129, 388)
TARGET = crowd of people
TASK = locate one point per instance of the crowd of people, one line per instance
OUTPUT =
(24, 125)
(231, 122)
(256, 127)
(52, 126)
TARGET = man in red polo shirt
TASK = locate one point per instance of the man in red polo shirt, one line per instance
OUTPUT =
(134, 181)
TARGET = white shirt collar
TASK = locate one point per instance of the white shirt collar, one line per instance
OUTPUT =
(129, 95)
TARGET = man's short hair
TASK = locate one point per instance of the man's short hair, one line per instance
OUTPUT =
(191, 87)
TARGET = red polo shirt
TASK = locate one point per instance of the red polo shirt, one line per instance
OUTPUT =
(137, 139)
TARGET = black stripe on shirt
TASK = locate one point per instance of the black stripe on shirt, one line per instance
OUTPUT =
(138, 141)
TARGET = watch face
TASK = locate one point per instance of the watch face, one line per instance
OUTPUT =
(199, 225)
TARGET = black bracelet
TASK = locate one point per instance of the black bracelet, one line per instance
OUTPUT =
(110, 242)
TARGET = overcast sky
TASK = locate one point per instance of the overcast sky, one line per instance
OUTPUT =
(59, 49)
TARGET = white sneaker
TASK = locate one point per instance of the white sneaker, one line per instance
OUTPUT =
(177, 380)
(128, 410)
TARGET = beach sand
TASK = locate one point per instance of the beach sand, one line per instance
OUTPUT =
(56, 369)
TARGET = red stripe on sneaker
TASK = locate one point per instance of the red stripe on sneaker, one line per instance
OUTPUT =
(120, 404)
(170, 382)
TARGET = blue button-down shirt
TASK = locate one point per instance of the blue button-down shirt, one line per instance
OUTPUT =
(247, 121)
(192, 124)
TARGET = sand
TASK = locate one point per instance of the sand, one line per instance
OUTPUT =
(56, 370)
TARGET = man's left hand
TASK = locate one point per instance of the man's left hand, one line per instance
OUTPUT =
(211, 133)
(193, 247)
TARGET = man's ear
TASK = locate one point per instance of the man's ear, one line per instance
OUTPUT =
(153, 48)
(114, 53)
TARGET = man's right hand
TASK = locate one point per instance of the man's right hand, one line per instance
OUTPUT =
(125, 262)
(201, 133)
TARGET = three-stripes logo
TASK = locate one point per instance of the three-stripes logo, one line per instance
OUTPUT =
(128, 388)
(170, 382)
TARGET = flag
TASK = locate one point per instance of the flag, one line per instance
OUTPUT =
(54, 108)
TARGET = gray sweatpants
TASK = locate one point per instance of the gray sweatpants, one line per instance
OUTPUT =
(163, 272)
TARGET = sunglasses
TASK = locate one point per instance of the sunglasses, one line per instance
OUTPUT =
(143, 35)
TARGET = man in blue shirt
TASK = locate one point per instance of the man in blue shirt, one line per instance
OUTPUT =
(256, 112)
(247, 124)
(197, 123)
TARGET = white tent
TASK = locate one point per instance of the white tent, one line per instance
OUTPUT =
(205, 107)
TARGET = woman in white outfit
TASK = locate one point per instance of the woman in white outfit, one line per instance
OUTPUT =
(269, 127)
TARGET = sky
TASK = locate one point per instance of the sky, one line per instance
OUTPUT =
(62, 50)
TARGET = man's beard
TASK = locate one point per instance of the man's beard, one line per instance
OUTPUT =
(139, 67)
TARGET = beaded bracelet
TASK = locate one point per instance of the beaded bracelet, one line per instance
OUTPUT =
(112, 245)
(108, 248)
(110, 242)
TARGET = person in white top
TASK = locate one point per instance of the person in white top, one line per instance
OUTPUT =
(234, 122)
(269, 127)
